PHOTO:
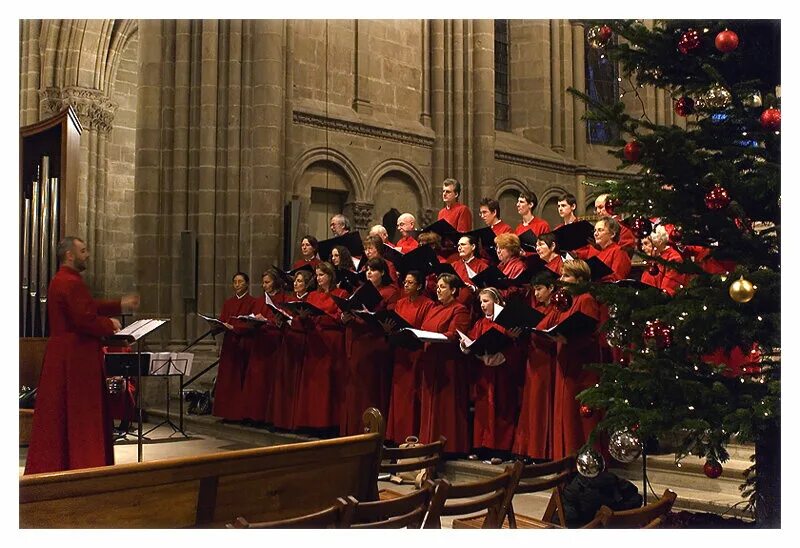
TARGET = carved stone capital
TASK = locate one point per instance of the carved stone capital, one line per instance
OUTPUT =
(362, 215)
(428, 217)
(94, 109)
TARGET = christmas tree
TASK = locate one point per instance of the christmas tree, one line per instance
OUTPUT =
(702, 365)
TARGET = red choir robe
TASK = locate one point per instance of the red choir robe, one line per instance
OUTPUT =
(458, 215)
(287, 369)
(616, 259)
(444, 393)
(403, 418)
(555, 264)
(570, 429)
(389, 266)
(71, 423)
(536, 225)
(407, 243)
(233, 357)
(495, 393)
(259, 380)
(534, 434)
(512, 268)
(702, 257)
(302, 262)
(368, 374)
(466, 296)
(667, 279)
(627, 239)
(501, 227)
(316, 403)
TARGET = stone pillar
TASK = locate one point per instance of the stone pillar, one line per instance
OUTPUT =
(29, 71)
(556, 88)
(578, 109)
(362, 74)
(459, 113)
(483, 96)
(437, 92)
(425, 116)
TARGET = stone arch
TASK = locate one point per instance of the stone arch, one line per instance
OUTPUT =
(510, 184)
(506, 193)
(407, 169)
(332, 156)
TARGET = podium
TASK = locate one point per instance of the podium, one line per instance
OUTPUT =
(136, 333)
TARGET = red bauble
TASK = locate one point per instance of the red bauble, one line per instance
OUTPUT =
(658, 333)
(586, 411)
(690, 41)
(771, 119)
(605, 33)
(675, 234)
(562, 299)
(684, 106)
(611, 205)
(642, 227)
(652, 269)
(717, 198)
(726, 41)
(712, 469)
(632, 151)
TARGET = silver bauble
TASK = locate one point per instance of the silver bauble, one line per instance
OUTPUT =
(715, 98)
(624, 446)
(589, 463)
(752, 100)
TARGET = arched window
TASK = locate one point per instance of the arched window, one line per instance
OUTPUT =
(501, 75)
(601, 84)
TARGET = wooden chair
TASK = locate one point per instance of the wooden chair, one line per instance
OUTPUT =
(646, 517)
(334, 517)
(410, 459)
(493, 495)
(405, 511)
(535, 478)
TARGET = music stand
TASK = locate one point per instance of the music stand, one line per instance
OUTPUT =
(170, 364)
(136, 332)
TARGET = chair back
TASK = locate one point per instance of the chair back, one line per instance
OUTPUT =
(646, 517)
(492, 495)
(541, 477)
(406, 511)
(426, 456)
(334, 517)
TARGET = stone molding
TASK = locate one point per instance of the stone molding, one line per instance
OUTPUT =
(94, 109)
(360, 128)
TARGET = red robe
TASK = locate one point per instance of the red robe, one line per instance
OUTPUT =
(316, 402)
(667, 279)
(71, 424)
(702, 257)
(407, 243)
(555, 264)
(302, 262)
(512, 268)
(228, 394)
(368, 374)
(501, 228)
(570, 429)
(616, 259)
(287, 369)
(496, 393)
(458, 215)
(403, 418)
(536, 225)
(466, 296)
(627, 239)
(444, 395)
(259, 378)
(535, 426)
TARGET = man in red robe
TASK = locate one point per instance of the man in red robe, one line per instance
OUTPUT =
(490, 214)
(71, 424)
(453, 212)
(406, 225)
(627, 239)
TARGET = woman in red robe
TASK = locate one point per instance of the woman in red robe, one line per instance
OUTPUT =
(228, 395)
(372, 250)
(606, 236)
(547, 249)
(511, 264)
(259, 379)
(496, 382)
(435, 241)
(659, 275)
(369, 356)
(467, 266)
(316, 400)
(570, 429)
(308, 253)
(291, 354)
(444, 395)
(403, 418)
(534, 432)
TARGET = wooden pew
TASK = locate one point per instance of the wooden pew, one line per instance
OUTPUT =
(31, 357)
(264, 484)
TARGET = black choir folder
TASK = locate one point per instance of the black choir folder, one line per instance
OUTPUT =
(527, 241)
(352, 241)
(408, 337)
(574, 235)
(366, 296)
(251, 318)
(493, 277)
(575, 325)
(382, 316)
(518, 314)
(598, 268)
(491, 342)
(298, 306)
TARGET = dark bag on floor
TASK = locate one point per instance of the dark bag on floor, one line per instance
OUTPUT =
(583, 497)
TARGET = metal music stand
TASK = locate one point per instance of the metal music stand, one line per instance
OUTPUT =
(169, 363)
(136, 332)
(215, 327)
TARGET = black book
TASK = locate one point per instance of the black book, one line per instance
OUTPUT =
(493, 277)
(279, 311)
(575, 325)
(375, 318)
(491, 342)
(352, 241)
(347, 279)
(298, 306)
(251, 318)
(528, 240)
(598, 268)
(574, 235)
(410, 338)
(365, 296)
(389, 253)
(484, 236)
(288, 275)
(518, 314)
(446, 231)
(215, 323)
(423, 259)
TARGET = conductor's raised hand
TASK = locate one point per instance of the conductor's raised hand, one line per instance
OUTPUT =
(116, 324)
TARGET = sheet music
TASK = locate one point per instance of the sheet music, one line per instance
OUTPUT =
(140, 328)
(250, 318)
(268, 300)
(497, 310)
(430, 336)
(470, 273)
(210, 319)
(464, 338)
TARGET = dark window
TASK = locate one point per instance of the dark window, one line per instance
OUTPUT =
(501, 75)
(602, 84)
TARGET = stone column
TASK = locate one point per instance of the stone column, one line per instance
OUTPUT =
(425, 116)
(438, 102)
(578, 109)
(483, 96)
(362, 74)
(29, 71)
(459, 113)
(556, 88)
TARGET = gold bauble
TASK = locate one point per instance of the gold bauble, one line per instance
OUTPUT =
(742, 291)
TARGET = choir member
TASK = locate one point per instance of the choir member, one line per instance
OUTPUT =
(508, 252)
(570, 429)
(228, 400)
(405, 224)
(380, 231)
(372, 250)
(369, 356)
(606, 236)
(292, 351)
(403, 418)
(627, 239)
(435, 241)
(526, 203)
(489, 213)
(534, 433)
(259, 379)
(547, 249)
(495, 385)
(669, 279)
(567, 204)
(340, 225)
(341, 258)
(316, 402)
(467, 266)
(444, 396)
(453, 212)
(308, 253)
